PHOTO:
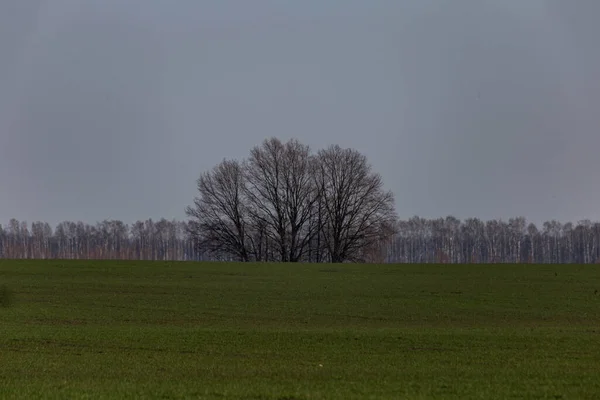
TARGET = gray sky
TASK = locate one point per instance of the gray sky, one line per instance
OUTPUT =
(112, 108)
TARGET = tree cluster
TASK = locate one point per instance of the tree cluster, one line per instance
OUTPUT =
(285, 203)
(417, 240)
(109, 239)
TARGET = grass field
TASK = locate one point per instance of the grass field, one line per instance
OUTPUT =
(81, 329)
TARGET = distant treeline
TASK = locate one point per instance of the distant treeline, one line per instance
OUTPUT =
(418, 240)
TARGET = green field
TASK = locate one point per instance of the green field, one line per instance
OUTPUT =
(109, 329)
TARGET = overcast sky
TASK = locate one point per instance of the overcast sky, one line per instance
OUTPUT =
(112, 108)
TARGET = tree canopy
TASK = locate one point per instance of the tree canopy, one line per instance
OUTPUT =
(284, 203)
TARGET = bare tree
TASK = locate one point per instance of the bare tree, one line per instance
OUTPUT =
(416, 240)
(517, 228)
(37, 238)
(301, 198)
(282, 194)
(533, 241)
(283, 203)
(584, 244)
(266, 193)
(356, 208)
(473, 236)
(218, 216)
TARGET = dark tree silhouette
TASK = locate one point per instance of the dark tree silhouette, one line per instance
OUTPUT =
(358, 212)
(219, 221)
(274, 204)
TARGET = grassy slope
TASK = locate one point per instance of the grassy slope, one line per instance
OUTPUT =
(183, 330)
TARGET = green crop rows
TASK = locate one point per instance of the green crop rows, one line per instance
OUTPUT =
(114, 329)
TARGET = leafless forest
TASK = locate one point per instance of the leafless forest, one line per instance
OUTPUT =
(417, 240)
(285, 203)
